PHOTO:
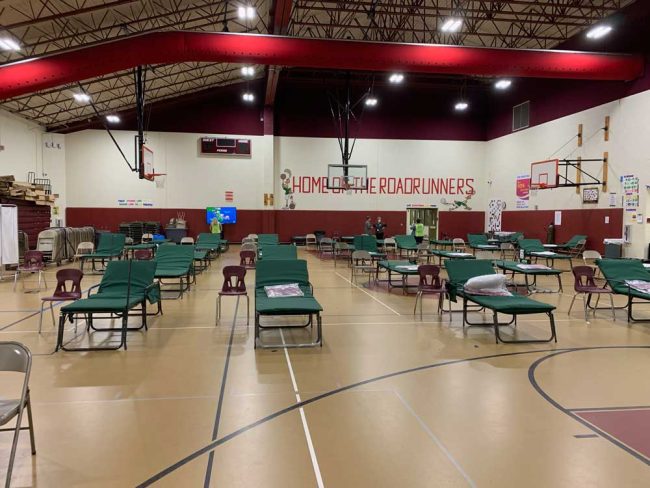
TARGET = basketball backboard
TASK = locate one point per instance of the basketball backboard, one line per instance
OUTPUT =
(347, 177)
(544, 174)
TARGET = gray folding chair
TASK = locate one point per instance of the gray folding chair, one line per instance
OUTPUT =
(16, 358)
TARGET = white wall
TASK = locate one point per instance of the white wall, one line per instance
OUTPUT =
(385, 158)
(98, 176)
(628, 148)
(25, 150)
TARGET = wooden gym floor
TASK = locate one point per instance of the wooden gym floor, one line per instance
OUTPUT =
(389, 400)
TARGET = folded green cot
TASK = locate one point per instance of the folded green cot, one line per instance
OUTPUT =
(460, 272)
(573, 246)
(406, 243)
(267, 239)
(535, 249)
(480, 242)
(109, 248)
(175, 263)
(125, 286)
(283, 272)
(618, 272)
(280, 251)
(209, 242)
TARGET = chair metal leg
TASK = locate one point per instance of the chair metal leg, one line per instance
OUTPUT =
(415, 306)
(40, 317)
(15, 279)
(571, 306)
(218, 310)
(248, 311)
(31, 424)
(611, 301)
(584, 303)
(52, 313)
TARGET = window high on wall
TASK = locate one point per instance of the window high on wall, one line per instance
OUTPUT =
(520, 116)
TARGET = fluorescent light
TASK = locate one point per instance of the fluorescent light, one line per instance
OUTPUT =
(248, 97)
(247, 71)
(8, 44)
(461, 106)
(81, 97)
(599, 31)
(502, 84)
(371, 101)
(396, 78)
(246, 13)
(451, 25)
(113, 119)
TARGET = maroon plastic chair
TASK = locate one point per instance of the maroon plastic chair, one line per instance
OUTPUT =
(247, 259)
(32, 263)
(233, 286)
(585, 284)
(68, 289)
(430, 284)
(143, 254)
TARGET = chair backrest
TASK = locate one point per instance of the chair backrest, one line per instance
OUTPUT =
(281, 272)
(310, 237)
(589, 254)
(253, 236)
(280, 251)
(248, 240)
(423, 246)
(249, 246)
(361, 257)
(233, 279)
(147, 237)
(247, 257)
(85, 248)
(33, 259)
(187, 240)
(507, 246)
(15, 357)
(584, 277)
(111, 243)
(68, 282)
(429, 276)
(341, 246)
(143, 254)
(326, 244)
(390, 241)
(458, 241)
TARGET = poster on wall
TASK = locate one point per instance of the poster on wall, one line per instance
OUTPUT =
(495, 208)
(630, 185)
(523, 191)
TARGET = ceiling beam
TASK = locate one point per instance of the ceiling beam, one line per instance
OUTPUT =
(176, 47)
(281, 12)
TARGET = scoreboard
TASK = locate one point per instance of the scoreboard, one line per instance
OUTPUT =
(224, 145)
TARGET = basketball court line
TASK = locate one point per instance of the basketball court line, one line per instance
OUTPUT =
(435, 440)
(222, 391)
(303, 418)
(609, 409)
(367, 293)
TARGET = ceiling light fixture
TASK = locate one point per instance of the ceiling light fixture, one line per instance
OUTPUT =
(396, 78)
(452, 25)
(247, 71)
(113, 119)
(599, 31)
(8, 44)
(371, 102)
(81, 97)
(503, 84)
(246, 13)
(461, 106)
(248, 97)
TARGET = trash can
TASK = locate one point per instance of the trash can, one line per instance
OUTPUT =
(613, 251)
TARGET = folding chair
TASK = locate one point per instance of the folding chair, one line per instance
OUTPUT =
(233, 285)
(32, 263)
(63, 292)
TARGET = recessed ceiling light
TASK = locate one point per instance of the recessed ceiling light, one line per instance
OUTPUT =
(452, 25)
(599, 31)
(246, 13)
(8, 44)
(81, 97)
(248, 97)
(461, 106)
(113, 119)
(396, 78)
(371, 101)
(248, 71)
(503, 84)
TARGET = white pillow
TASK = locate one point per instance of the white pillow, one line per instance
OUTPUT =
(486, 282)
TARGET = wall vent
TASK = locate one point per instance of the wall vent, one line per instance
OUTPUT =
(520, 116)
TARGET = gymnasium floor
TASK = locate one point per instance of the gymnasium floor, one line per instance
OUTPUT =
(388, 401)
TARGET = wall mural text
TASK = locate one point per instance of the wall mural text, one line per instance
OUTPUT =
(389, 186)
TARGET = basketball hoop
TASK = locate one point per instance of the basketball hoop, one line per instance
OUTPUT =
(158, 178)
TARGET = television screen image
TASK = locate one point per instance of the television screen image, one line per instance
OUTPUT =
(226, 215)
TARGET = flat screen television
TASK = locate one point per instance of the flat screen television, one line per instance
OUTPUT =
(226, 215)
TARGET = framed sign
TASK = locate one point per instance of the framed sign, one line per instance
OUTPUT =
(590, 195)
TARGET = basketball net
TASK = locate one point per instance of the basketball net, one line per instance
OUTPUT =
(160, 181)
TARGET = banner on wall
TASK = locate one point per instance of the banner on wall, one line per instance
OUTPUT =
(630, 185)
(523, 191)
(132, 202)
(495, 208)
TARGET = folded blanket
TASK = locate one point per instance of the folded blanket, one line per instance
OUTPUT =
(288, 290)
(491, 285)
(639, 285)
